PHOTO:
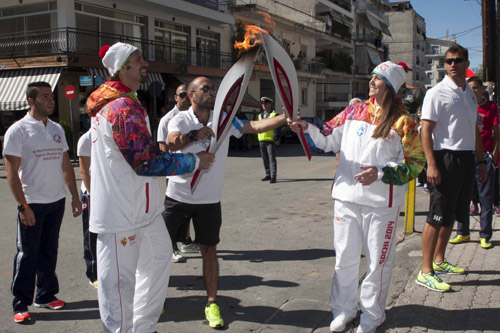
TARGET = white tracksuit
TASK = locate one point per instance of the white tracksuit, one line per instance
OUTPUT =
(367, 214)
(133, 244)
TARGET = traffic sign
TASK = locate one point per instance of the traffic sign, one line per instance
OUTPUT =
(69, 91)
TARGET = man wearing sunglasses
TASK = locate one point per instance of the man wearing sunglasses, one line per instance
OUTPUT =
(450, 135)
(182, 104)
(191, 131)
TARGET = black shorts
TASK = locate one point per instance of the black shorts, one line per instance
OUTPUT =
(207, 220)
(450, 199)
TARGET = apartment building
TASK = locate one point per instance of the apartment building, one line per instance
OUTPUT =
(58, 41)
(408, 42)
(434, 59)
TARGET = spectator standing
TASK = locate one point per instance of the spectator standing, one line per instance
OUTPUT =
(488, 125)
(84, 150)
(133, 245)
(449, 137)
(268, 141)
(38, 166)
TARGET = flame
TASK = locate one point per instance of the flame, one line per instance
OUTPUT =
(252, 38)
(267, 18)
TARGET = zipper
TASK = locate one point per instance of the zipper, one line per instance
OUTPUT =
(147, 198)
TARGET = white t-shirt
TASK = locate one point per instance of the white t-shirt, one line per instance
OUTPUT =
(84, 149)
(455, 112)
(209, 186)
(163, 125)
(41, 151)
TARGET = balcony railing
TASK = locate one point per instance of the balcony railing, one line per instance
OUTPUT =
(309, 66)
(363, 6)
(331, 97)
(69, 40)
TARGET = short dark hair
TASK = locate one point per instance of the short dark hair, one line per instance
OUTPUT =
(457, 48)
(475, 79)
(32, 89)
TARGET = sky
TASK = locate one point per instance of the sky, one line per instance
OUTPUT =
(456, 16)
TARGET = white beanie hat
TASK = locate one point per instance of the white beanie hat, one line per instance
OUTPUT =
(394, 74)
(115, 57)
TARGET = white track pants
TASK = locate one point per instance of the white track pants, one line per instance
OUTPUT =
(355, 225)
(134, 269)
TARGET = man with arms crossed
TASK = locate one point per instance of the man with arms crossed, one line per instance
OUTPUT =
(449, 137)
(190, 131)
(38, 166)
(133, 245)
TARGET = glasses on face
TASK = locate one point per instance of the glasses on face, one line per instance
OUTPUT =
(450, 61)
(182, 94)
(207, 89)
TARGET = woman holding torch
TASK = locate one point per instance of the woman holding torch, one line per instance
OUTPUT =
(380, 152)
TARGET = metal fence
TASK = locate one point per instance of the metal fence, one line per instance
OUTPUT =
(69, 40)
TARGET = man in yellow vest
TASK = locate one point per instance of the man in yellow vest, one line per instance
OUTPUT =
(268, 141)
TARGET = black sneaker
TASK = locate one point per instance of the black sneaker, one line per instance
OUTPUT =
(266, 178)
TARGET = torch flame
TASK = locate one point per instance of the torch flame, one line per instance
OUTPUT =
(252, 38)
(267, 18)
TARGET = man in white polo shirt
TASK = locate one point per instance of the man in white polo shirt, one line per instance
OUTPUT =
(38, 166)
(449, 137)
(190, 132)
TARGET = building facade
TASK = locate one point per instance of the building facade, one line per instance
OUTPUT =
(434, 60)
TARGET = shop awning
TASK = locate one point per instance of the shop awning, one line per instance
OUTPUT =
(152, 76)
(13, 85)
(374, 22)
(374, 57)
(248, 100)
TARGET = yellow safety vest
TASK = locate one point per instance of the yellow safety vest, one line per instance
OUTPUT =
(269, 135)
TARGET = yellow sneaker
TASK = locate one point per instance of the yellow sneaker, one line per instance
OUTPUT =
(447, 268)
(460, 239)
(485, 244)
(212, 314)
(432, 281)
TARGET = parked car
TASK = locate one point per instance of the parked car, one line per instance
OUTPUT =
(287, 135)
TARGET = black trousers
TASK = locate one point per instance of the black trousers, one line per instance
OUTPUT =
(89, 240)
(36, 256)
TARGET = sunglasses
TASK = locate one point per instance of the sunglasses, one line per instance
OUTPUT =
(207, 89)
(450, 61)
(182, 94)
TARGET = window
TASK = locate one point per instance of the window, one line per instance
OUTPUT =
(435, 49)
(429, 61)
(304, 96)
(207, 48)
(430, 75)
(34, 17)
(172, 42)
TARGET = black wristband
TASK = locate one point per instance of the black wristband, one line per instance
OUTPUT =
(192, 135)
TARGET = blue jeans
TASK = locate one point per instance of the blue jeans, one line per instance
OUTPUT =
(486, 195)
(268, 152)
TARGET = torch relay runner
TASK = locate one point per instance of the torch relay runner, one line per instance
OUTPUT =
(380, 152)
(190, 132)
(133, 246)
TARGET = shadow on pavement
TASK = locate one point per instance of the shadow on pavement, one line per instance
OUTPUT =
(408, 316)
(190, 308)
(276, 255)
(233, 282)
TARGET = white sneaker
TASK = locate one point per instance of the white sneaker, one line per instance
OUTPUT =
(339, 324)
(190, 248)
(177, 257)
(366, 329)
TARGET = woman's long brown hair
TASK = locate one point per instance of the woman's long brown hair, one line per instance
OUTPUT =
(390, 113)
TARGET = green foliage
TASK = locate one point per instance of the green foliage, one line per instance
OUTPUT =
(341, 62)
(478, 71)
(68, 132)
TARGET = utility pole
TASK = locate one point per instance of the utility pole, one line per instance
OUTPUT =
(490, 37)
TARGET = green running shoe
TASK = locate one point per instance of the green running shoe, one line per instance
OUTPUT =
(212, 314)
(447, 268)
(432, 281)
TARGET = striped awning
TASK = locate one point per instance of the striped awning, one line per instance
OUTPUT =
(152, 76)
(13, 85)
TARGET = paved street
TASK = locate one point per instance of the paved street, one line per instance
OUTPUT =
(276, 263)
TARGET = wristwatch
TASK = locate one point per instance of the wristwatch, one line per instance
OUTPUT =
(21, 208)
(192, 135)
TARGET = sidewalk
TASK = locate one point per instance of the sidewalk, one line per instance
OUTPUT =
(472, 305)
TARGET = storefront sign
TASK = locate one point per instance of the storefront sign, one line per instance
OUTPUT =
(86, 81)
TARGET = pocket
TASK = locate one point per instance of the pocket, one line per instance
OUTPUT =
(147, 198)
